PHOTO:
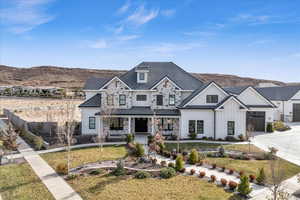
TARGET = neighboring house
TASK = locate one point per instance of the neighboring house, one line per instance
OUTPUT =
(160, 96)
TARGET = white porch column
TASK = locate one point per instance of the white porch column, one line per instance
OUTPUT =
(152, 126)
(100, 130)
(129, 125)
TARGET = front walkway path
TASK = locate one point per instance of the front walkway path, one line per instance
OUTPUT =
(58, 187)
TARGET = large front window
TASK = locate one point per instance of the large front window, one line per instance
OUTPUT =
(196, 126)
(166, 124)
(192, 126)
(230, 128)
(141, 97)
(116, 124)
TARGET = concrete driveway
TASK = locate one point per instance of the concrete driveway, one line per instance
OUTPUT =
(287, 143)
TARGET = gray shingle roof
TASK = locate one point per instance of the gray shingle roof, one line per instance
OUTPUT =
(284, 93)
(94, 83)
(94, 101)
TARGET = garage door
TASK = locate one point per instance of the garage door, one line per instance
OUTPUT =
(256, 120)
(296, 112)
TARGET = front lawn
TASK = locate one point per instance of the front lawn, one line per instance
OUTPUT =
(176, 188)
(18, 181)
(86, 155)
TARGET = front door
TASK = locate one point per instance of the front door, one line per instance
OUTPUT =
(296, 112)
(141, 125)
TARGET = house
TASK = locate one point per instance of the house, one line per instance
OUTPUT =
(162, 96)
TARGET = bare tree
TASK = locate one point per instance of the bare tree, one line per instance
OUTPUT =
(107, 114)
(249, 132)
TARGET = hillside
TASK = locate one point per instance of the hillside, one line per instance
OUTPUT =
(75, 77)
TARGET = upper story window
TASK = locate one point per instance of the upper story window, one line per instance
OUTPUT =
(122, 99)
(110, 100)
(141, 97)
(230, 127)
(142, 76)
(171, 99)
(159, 100)
(212, 99)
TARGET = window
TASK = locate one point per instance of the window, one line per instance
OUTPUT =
(142, 76)
(159, 100)
(212, 99)
(122, 99)
(230, 127)
(192, 126)
(116, 124)
(110, 100)
(92, 123)
(141, 97)
(166, 124)
(171, 99)
(200, 126)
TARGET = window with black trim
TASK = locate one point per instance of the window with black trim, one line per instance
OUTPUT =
(122, 99)
(192, 126)
(200, 126)
(141, 97)
(116, 124)
(166, 124)
(212, 99)
(171, 99)
(92, 122)
(159, 100)
(230, 127)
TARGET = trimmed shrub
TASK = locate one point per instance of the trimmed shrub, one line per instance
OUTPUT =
(129, 138)
(96, 172)
(142, 175)
(270, 128)
(244, 187)
(163, 163)
(252, 178)
(223, 182)
(119, 170)
(213, 178)
(193, 158)
(280, 126)
(179, 163)
(38, 142)
(261, 179)
(201, 174)
(167, 172)
(231, 138)
(140, 151)
(193, 136)
(242, 137)
(171, 165)
(192, 171)
(231, 171)
(62, 168)
(232, 185)
(71, 176)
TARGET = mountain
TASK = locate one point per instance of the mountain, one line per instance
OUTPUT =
(75, 77)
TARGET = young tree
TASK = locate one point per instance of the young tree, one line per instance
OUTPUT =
(244, 187)
(249, 132)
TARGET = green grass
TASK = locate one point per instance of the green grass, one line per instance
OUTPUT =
(176, 188)
(86, 155)
(19, 182)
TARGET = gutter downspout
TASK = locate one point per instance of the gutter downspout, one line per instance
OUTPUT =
(214, 124)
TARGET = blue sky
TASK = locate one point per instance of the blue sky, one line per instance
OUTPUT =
(255, 38)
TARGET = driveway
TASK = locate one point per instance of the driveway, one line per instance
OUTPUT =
(287, 143)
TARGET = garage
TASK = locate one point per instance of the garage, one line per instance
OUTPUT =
(296, 112)
(256, 119)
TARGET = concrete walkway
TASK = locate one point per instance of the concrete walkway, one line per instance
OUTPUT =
(58, 187)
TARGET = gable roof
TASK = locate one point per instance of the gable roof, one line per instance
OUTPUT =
(227, 99)
(161, 80)
(95, 83)
(283, 93)
(94, 101)
(108, 82)
(159, 70)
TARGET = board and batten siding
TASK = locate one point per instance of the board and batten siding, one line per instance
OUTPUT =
(85, 114)
(231, 112)
(196, 114)
(250, 97)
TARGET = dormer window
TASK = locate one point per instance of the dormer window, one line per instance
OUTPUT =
(142, 76)
(212, 99)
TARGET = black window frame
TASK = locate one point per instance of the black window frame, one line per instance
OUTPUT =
(122, 102)
(230, 128)
(141, 95)
(212, 98)
(117, 125)
(194, 128)
(165, 125)
(159, 100)
(172, 96)
(200, 127)
(92, 123)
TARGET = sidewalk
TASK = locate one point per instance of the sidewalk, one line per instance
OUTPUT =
(58, 187)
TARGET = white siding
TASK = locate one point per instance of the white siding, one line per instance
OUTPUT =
(250, 97)
(206, 115)
(200, 99)
(231, 112)
(85, 114)
(296, 96)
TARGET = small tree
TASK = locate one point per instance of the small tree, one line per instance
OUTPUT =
(140, 151)
(244, 187)
(179, 163)
(261, 178)
(250, 130)
(194, 158)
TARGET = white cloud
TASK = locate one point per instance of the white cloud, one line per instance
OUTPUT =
(127, 37)
(124, 8)
(23, 15)
(98, 44)
(142, 16)
(168, 12)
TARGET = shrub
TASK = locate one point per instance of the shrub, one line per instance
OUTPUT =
(280, 126)
(231, 171)
(163, 163)
(241, 173)
(96, 172)
(142, 175)
(221, 151)
(201, 156)
(193, 136)
(231, 138)
(223, 182)
(201, 174)
(119, 170)
(129, 138)
(242, 137)
(154, 161)
(171, 165)
(252, 178)
(244, 187)
(213, 178)
(167, 172)
(232, 185)
(140, 151)
(38, 142)
(261, 179)
(182, 170)
(194, 158)
(71, 176)
(193, 171)
(270, 128)
(62, 168)
(179, 163)
(214, 166)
